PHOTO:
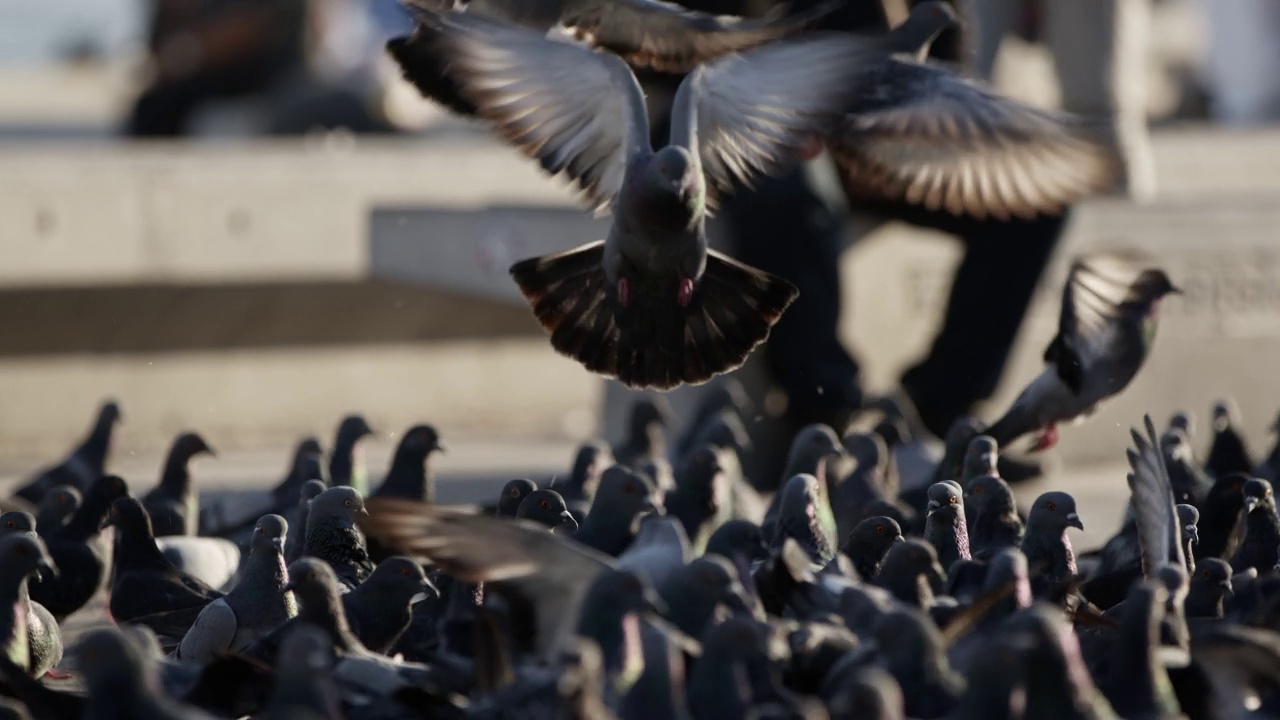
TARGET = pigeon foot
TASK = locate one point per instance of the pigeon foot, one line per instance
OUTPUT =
(54, 674)
(685, 295)
(624, 292)
(1046, 439)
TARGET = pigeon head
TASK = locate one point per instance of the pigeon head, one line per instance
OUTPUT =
(738, 539)
(612, 596)
(310, 489)
(188, 445)
(675, 168)
(1257, 494)
(1152, 285)
(109, 414)
(302, 672)
(906, 638)
(746, 640)
(25, 555)
(868, 449)
(269, 534)
(128, 514)
(106, 490)
(352, 428)
(659, 471)
(718, 579)
(1216, 573)
(420, 441)
(701, 471)
(870, 693)
(111, 663)
(17, 521)
(626, 496)
(514, 493)
(547, 507)
(1175, 581)
(1225, 411)
(911, 572)
(894, 431)
(1188, 517)
(649, 415)
(58, 504)
(1185, 421)
(874, 536)
(312, 581)
(342, 504)
(1055, 512)
(1174, 443)
(956, 444)
(308, 448)
(989, 492)
(944, 495)
(980, 457)
(810, 448)
(1010, 566)
(589, 463)
(401, 580)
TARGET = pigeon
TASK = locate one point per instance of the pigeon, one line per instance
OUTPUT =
(304, 683)
(739, 541)
(79, 552)
(1191, 484)
(255, 606)
(702, 499)
(513, 495)
(1048, 550)
(1138, 684)
(914, 652)
(945, 524)
(868, 481)
(1269, 468)
(1105, 332)
(174, 509)
(17, 521)
(146, 583)
(84, 465)
(410, 476)
(589, 462)
(867, 545)
(646, 438)
(546, 507)
(31, 637)
(379, 611)
(911, 572)
(240, 514)
(1210, 588)
(981, 457)
(315, 589)
(718, 419)
(1229, 453)
(1262, 529)
(737, 669)
(346, 466)
(799, 519)
(623, 498)
(122, 683)
(996, 524)
(297, 538)
(332, 535)
(694, 593)
(681, 315)
(810, 451)
(57, 507)
(1222, 520)
(660, 549)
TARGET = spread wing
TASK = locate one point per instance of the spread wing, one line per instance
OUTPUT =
(753, 113)
(552, 574)
(578, 112)
(1153, 503)
(1096, 287)
(927, 136)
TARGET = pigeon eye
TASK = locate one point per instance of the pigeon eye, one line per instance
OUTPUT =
(977, 490)
(953, 499)
(880, 530)
(347, 503)
(21, 549)
(515, 492)
(11, 524)
(629, 488)
(404, 572)
(545, 505)
(1051, 506)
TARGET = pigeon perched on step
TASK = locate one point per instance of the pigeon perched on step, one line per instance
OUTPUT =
(79, 551)
(174, 508)
(410, 475)
(379, 611)
(332, 535)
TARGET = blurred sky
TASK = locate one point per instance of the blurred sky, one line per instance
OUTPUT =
(40, 31)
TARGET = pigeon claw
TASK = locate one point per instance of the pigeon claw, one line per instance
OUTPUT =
(53, 674)
(624, 292)
(1046, 439)
(685, 294)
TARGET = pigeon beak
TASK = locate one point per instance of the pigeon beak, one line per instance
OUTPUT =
(1249, 504)
(1073, 520)
(1227, 590)
(439, 446)
(898, 539)
(1193, 534)
(567, 521)
(651, 506)
(363, 511)
(1174, 290)
(429, 588)
(653, 603)
(934, 505)
(278, 542)
(46, 566)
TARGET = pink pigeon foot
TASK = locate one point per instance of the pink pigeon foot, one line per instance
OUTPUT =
(54, 674)
(685, 295)
(1046, 439)
(624, 292)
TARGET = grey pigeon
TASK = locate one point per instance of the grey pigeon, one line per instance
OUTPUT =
(945, 524)
(513, 494)
(867, 545)
(646, 433)
(870, 694)
(298, 535)
(1191, 484)
(1228, 453)
(304, 686)
(145, 581)
(799, 518)
(589, 463)
(57, 507)
(1049, 553)
(652, 320)
(732, 652)
(1105, 332)
(86, 463)
(982, 457)
(346, 466)
(810, 451)
(236, 516)
(332, 535)
(31, 637)
(122, 679)
(911, 572)
(914, 652)
(702, 499)
(660, 549)
(718, 419)
(410, 475)
(996, 524)
(314, 586)
(257, 604)
(1262, 529)
(622, 499)
(173, 507)
(17, 521)
(1138, 684)
(546, 507)
(739, 541)
(1058, 684)
(867, 482)
(214, 560)
(380, 609)
(1210, 588)
(694, 592)
(1222, 515)
(79, 551)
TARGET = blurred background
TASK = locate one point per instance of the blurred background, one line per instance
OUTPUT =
(234, 217)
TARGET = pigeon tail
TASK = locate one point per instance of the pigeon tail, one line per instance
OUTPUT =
(732, 312)
(425, 68)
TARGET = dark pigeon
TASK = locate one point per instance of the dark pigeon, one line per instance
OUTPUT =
(236, 518)
(646, 438)
(810, 450)
(314, 585)
(1048, 550)
(346, 466)
(1138, 684)
(867, 545)
(121, 678)
(1262, 529)
(410, 476)
(737, 670)
(996, 524)
(799, 518)
(718, 419)
(1229, 453)
(1049, 661)
(332, 535)
(589, 463)
(702, 500)
(84, 465)
(56, 508)
(1191, 484)
(31, 638)
(1105, 332)
(622, 499)
(79, 552)
(304, 686)
(945, 523)
(1269, 468)
(298, 534)
(17, 521)
(254, 607)
(1210, 588)
(380, 609)
(695, 592)
(914, 652)
(513, 494)
(740, 541)
(546, 507)
(173, 507)
(869, 694)
(146, 583)
(867, 482)
(981, 457)
(911, 572)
